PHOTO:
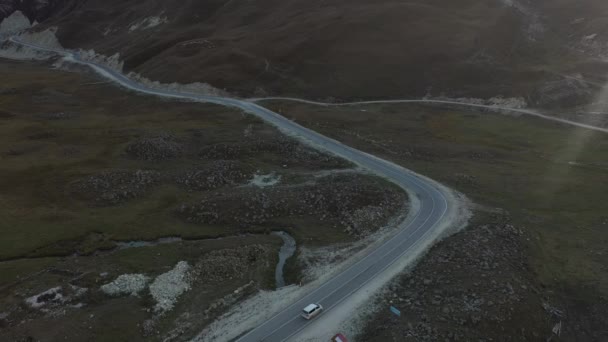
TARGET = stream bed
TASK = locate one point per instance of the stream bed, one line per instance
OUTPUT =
(287, 251)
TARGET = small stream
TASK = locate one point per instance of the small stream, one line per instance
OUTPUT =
(287, 251)
(120, 245)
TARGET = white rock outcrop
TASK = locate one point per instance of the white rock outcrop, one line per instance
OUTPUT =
(147, 23)
(16, 22)
(168, 286)
(126, 284)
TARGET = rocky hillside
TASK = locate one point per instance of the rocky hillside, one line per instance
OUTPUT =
(348, 49)
(35, 10)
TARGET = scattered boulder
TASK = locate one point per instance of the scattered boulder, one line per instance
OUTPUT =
(161, 147)
(356, 203)
(115, 187)
(227, 264)
(464, 288)
(290, 151)
(217, 174)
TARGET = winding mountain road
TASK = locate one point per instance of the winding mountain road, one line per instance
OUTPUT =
(436, 203)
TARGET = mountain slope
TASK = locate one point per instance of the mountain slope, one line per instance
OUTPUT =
(337, 48)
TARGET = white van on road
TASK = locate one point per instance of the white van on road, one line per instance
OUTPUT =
(312, 310)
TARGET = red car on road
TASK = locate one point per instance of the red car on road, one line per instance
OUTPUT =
(339, 338)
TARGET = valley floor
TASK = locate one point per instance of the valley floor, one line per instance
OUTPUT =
(134, 217)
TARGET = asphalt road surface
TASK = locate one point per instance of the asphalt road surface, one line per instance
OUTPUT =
(432, 210)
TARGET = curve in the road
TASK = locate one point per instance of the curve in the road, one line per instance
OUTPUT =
(435, 203)
(445, 102)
